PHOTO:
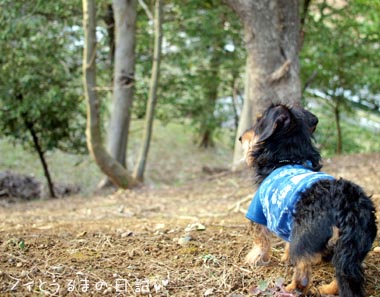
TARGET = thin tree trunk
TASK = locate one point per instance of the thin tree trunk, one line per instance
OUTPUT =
(339, 145)
(211, 96)
(149, 117)
(109, 166)
(30, 126)
(41, 155)
(235, 98)
(206, 140)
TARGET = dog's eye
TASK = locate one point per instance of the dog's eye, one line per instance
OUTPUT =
(240, 138)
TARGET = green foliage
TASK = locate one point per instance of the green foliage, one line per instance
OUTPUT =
(202, 56)
(40, 82)
(361, 131)
(68, 169)
(340, 60)
(341, 45)
(174, 159)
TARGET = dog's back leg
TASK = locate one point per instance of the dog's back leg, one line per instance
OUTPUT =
(302, 275)
(310, 233)
(357, 231)
(348, 255)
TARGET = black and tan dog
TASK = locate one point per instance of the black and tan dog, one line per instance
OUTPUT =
(321, 217)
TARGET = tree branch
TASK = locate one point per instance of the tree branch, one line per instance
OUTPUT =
(146, 9)
(309, 80)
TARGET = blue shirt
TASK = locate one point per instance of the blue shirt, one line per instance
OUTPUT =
(274, 201)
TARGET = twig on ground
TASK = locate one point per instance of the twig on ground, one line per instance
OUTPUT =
(236, 207)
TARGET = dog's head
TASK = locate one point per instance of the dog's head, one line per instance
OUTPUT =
(281, 135)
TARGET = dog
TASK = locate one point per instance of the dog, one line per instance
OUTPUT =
(321, 217)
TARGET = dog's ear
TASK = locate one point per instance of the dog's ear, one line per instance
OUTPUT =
(308, 118)
(277, 119)
(312, 121)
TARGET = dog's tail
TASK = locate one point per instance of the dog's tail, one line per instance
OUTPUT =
(357, 231)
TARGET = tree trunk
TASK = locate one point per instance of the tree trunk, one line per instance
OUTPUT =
(117, 173)
(125, 13)
(206, 140)
(149, 117)
(245, 121)
(42, 159)
(272, 37)
(124, 78)
(210, 88)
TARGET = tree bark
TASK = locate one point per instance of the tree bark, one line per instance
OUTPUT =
(125, 14)
(272, 38)
(124, 78)
(245, 121)
(149, 117)
(109, 166)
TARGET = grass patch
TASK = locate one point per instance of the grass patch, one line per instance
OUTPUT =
(174, 156)
(173, 159)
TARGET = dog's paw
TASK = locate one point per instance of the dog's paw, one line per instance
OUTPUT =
(329, 289)
(300, 285)
(257, 256)
(291, 287)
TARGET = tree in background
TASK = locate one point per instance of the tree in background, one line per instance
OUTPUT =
(213, 47)
(202, 56)
(113, 164)
(201, 68)
(125, 13)
(152, 99)
(272, 38)
(124, 36)
(343, 72)
(40, 105)
(107, 163)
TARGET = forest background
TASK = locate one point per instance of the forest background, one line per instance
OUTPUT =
(151, 96)
(198, 98)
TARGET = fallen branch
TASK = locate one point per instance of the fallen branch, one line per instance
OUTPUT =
(236, 207)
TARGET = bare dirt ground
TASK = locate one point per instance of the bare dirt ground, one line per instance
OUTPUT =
(189, 240)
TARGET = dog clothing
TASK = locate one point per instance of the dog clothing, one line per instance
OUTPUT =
(275, 199)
